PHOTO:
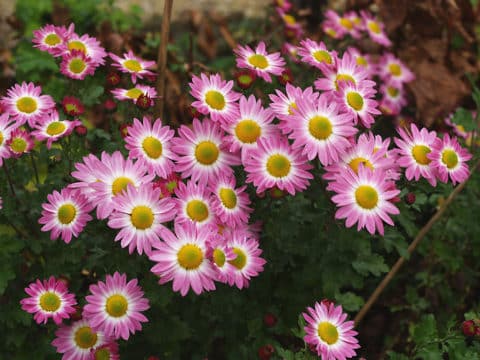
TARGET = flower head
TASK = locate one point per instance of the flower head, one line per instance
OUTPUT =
(133, 65)
(134, 93)
(72, 106)
(357, 101)
(259, 61)
(50, 38)
(194, 204)
(375, 29)
(7, 126)
(316, 54)
(87, 45)
(76, 65)
(51, 128)
(393, 71)
(19, 143)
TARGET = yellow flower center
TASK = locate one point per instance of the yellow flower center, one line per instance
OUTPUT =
(190, 256)
(116, 305)
(374, 27)
(355, 163)
(66, 213)
(393, 92)
(1, 138)
(134, 93)
(27, 104)
(197, 210)
(142, 217)
(322, 56)
(219, 257)
(449, 158)
(50, 302)
(102, 354)
(419, 153)
(120, 184)
(258, 61)
(215, 99)
(55, 128)
(366, 196)
(289, 19)
(320, 127)
(77, 66)
(355, 100)
(248, 131)
(241, 260)
(278, 165)
(152, 147)
(331, 32)
(395, 69)
(18, 145)
(346, 23)
(133, 65)
(344, 77)
(360, 60)
(85, 338)
(327, 332)
(228, 197)
(206, 152)
(52, 39)
(77, 45)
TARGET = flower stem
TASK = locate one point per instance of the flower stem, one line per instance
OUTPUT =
(34, 168)
(9, 179)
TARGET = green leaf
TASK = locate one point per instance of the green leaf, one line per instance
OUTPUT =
(349, 301)
(370, 263)
(464, 118)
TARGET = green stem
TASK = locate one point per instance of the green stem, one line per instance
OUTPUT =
(34, 166)
(9, 179)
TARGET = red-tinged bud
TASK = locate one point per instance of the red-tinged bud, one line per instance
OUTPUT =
(286, 77)
(81, 130)
(410, 198)
(245, 78)
(395, 199)
(265, 352)
(123, 130)
(144, 102)
(193, 112)
(469, 328)
(269, 320)
(113, 79)
(326, 302)
(72, 106)
(276, 193)
(109, 105)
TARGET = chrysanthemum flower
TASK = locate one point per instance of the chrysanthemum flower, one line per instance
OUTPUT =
(51, 128)
(319, 129)
(393, 71)
(139, 214)
(76, 341)
(181, 258)
(65, 214)
(357, 101)
(293, 28)
(342, 25)
(134, 93)
(131, 64)
(230, 204)
(50, 38)
(194, 204)
(247, 262)
(362, 60)
(375, 29)
(329, 28)
(151, 144)
(87, 172)
(275, 163)
(291, 51)
(327, 330)
(214, 96)
(449, 159)
(413, 150)
(19, 143)
(458, 129)
(7, 125)
(76, 65)
(260, 61)
(168, 185)
(72, 106)
(201, 152)
(363, 198)
(220, 254)
(316, 54)
(355, 19)
(24, 103)
(113, 176)
(244, 78)
(89, 46)
(108, 351)
(49, 299)
(115, 307)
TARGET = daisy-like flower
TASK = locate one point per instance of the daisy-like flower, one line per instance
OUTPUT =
(49, 299)
(87, 172)
(393, 99)
(50, 38)
(250, 124)
(346, 71)
(116, 306)
(356, 19)
(89, 46)
(108, 351)
(260, 61)
(413, 150)
(24, 103)
(201, 153)
(320, 130)
(139, 214)
(244, 78)
(342, 25)
(357, 101)
(151, 144)
(449, 159)
(7, 125)
(194, 204)
(65, 214)
(19, 143)
(181, 258)
(168, 185)
(76, 65)
(247, 262)
(393, 71)
(72, 106)
(133, 65)
(458, 129)
(375, 29)
(230, 204)
(363, 198)
(293, 28)
(134, 93)
(329, 28)
(51, 128)
(113, 176)
(329, 333)
(220, 254)
(291, 51)
(214, 96)
(362, 60)
(76, 341)
(275, 163)
(316, 54)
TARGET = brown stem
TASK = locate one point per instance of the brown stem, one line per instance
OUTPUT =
(162, 56)
(421, 234)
